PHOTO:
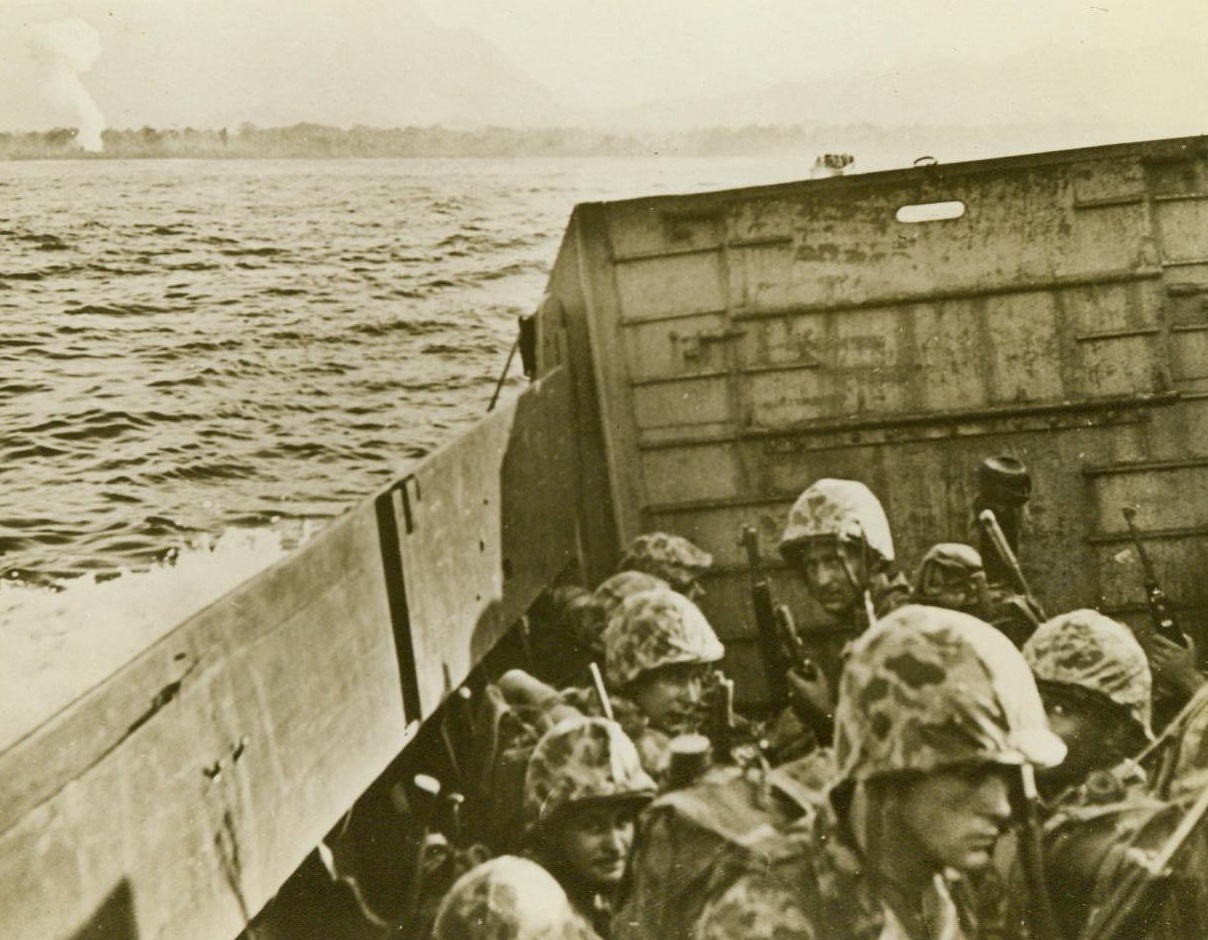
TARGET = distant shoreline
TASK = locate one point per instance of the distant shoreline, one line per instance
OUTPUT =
(316, 141)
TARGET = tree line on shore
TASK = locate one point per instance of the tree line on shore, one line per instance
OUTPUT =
(318, 141)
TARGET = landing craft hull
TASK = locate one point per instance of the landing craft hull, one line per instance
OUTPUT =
(700, 359)
(175, 798)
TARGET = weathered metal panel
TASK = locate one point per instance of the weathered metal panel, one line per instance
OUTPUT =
(673, 286)
(848, 248)
(754, 340)
(638, 232)
(173, 799)
(684, 406)
(1181, 227)
(691, 473)
(687, 347)
(484, 525)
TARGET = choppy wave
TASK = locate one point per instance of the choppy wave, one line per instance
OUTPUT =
(194, 348)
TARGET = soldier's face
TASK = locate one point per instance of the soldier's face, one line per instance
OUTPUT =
(954, 817)
(594, 841)
(1089, 734)
(670, 697)
(826, 574)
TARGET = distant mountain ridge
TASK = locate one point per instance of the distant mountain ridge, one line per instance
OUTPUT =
(1044, 87)
(382, 63)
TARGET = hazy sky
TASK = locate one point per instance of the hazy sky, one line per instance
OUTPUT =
(618, 51)
(209, 62)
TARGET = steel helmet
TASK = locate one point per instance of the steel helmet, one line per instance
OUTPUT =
(928, 688)
(612, 591)
(652, 629)
(670, 557)
(1084, 648)
(508, 898)
(582, 759)
(948, 571)
(843, 509)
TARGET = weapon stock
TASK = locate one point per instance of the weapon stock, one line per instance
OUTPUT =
(1159, 605)
(775, 663)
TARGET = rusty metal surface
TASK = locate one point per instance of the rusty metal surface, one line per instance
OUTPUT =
(748, 342)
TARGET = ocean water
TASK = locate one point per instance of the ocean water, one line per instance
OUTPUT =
(203, 361)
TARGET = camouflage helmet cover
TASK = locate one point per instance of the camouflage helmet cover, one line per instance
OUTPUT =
(843, 509)
(944, 563)
(670, 557)
(582, 759)
(652, 629)
(508, 898)
(955, 555)
(1086, 649)
(928, 688)
(612, 591)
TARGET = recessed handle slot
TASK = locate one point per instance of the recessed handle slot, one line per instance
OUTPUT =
(931, 212)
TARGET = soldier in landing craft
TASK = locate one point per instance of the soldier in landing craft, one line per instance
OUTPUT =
(509, 898)
(671, 558)
(583, 788)
(658, 647)
(837, 539)
(1097, 690)
(938, 720)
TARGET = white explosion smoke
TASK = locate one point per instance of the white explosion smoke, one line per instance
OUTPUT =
(69, 48)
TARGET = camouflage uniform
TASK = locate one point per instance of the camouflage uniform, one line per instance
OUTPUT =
(1086, 649)
(686, 835)
(924, 690)
(509, 898)
(581, 759)
(670, 557)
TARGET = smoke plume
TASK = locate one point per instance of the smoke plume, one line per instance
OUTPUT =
(68, 48)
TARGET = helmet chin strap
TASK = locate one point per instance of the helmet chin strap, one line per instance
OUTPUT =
(870, 610)
(878, 838)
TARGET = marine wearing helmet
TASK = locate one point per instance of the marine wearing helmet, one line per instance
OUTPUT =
(672, 558)
(1096, 686)
(583, 787)
(509, 898)
(657, 647)
(951, 575)
(837, 537)
(609, 594)
(937, 714)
